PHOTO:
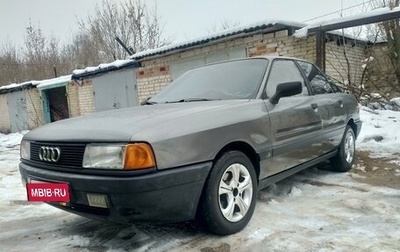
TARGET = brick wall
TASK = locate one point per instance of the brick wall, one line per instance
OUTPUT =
(155, 73)
(336, 64)
(86, 98)
(151, 79)
(280, 44)
(34, 108)
(4, 115)
(73, 99)
(80, 98)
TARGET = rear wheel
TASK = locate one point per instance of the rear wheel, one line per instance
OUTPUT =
(344, 159)
(230, 194)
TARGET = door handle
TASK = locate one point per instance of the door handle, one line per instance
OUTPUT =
(340, 103)
(314, 106)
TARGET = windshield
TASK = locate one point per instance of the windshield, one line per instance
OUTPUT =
(223, 81)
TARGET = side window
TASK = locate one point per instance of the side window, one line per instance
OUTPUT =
(318, 82)
(334, 86)
(284, 71)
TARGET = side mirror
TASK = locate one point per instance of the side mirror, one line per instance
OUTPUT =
(286, 89)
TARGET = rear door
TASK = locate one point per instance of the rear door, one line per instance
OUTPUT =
(295, 123)
(330, 105)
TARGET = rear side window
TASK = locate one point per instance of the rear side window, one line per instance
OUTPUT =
(318, 82)
(284, 71)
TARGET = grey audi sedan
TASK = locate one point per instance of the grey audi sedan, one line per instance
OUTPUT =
(199, 149)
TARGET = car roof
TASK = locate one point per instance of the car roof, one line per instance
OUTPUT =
(268, 57)
(272, 57)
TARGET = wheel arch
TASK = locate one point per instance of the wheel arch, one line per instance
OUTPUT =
(245, 148)
(353, 126)
(208, 215)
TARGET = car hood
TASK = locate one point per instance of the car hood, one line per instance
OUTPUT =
(142, 123)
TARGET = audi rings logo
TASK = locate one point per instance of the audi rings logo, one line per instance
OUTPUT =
(49, 154)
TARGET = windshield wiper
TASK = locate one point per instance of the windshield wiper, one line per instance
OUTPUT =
(147, 102)
(191, 100)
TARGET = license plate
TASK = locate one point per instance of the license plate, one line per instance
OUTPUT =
(48, 192)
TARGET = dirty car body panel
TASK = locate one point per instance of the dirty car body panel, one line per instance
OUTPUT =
(189, 127)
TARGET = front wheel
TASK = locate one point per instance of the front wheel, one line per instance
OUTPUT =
(344, 159)
(230, 194)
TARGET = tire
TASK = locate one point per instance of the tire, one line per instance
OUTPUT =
(229, 200)
(345, 157)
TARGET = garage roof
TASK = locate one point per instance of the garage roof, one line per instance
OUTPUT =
(17, 87)
(55, 82)
(103, 68)
(240, 31)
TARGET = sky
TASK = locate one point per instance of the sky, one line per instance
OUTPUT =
(182, 19)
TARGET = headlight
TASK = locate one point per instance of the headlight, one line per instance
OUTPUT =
(25, 150)
(118, 156)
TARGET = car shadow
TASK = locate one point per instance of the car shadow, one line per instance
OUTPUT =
(103, 236)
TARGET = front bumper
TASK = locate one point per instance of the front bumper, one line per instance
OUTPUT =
(161, 197)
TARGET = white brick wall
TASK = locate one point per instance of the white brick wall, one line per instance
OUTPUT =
(86, 98)
(73, 99)
(336, 64)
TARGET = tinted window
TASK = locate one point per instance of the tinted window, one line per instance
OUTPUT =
(283, 71)
(227, 80)
(334, 86)
(318, 82)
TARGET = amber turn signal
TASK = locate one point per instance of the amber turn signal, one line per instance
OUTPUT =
(139, 156)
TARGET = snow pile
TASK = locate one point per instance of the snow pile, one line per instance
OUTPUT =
(375, 101)
(40, 83)
(10, 86)
(19, 85)
(10, 141)
(116, 64)
(396, 101)
(380, 133)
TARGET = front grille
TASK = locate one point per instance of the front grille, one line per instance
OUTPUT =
(71, 154)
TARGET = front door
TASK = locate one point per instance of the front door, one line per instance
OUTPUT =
(330, 105)
(295, 123)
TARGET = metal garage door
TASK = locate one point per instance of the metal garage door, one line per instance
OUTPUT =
(180, 67)
(115, 90)
(17, 111)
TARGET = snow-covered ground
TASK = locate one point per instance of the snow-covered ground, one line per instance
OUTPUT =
(315, 210)
(380, 133)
